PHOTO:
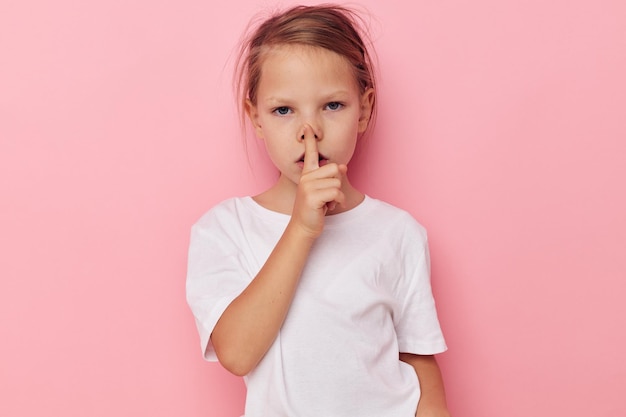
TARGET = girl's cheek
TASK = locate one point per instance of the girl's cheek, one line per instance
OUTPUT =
(282, 125)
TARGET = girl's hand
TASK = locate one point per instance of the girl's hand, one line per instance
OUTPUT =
(319, 189)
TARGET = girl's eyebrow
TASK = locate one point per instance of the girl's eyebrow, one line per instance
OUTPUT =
(273, 99)
(334, 95)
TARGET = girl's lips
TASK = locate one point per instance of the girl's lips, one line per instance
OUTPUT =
(321, 161)
(320, 158)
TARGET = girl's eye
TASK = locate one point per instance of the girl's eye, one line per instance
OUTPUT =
(282, 111)
(334, 105)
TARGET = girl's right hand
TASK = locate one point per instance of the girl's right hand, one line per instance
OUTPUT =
(319, 189)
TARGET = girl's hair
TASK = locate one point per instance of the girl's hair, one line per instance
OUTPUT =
(332, 27)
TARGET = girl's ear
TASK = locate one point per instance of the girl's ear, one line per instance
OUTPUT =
(367, 104)
(253, 115)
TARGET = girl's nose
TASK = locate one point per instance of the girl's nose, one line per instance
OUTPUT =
(309, 129)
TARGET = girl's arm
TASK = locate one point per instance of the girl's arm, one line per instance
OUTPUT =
(249, 325)
(433, 398)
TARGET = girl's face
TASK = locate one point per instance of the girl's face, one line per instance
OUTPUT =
(302, 85)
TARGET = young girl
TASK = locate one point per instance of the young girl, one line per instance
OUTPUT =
(318, 294)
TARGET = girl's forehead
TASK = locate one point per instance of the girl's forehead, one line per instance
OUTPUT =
(306, 60)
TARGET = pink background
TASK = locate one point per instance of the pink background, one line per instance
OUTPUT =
(502, 129)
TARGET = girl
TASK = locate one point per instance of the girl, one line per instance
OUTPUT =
(318, 294)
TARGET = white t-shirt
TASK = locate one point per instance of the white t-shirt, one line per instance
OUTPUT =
(363, 297)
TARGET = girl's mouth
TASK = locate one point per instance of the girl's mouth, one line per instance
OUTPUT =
(321, 159)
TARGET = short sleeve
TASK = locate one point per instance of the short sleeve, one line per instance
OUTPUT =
(216, 273)
(417, 326)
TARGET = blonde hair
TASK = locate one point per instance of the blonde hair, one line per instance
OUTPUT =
(332, 27)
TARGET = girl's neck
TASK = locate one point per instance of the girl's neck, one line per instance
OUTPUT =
(282, 195)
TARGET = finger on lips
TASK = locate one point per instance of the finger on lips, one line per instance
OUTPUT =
(311, 163)
(311, 155)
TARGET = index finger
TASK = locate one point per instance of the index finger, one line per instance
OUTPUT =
(311, 155)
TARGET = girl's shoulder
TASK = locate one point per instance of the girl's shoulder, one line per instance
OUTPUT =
(238, 209)
(223, 208)
(222, 223)
(387, 211)
(375, 215)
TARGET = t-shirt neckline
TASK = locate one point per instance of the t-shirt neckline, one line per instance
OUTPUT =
(331, 220)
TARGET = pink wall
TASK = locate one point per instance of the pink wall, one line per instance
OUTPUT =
(501, 128)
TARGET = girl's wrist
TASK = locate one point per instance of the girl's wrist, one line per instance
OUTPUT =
(300, 233)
